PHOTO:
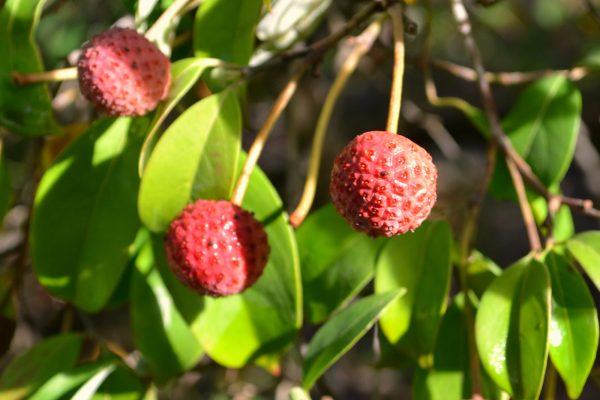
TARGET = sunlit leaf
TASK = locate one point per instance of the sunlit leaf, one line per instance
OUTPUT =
(341, 332)
(195, 158)
(31, 369)
(24, 110)
(337, 262)
(159, 330)
(264, 319)
(184, 73)
(512, 326)
(542, 126)
(585, 247)
(420, 263)
(574, 324)
(85, 214)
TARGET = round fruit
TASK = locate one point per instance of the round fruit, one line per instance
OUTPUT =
(122, 73)
(383, 184)
(217, 248)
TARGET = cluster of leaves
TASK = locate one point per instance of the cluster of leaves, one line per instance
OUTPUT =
(96, 243)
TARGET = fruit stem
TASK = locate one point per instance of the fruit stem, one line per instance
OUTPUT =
(363, 43)
(395, 12)
(165, 19)
(263, 134)
(57, 75)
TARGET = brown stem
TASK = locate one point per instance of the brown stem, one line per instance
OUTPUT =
(508, 78)
(57, 75)
(263, 134)
(528, 219)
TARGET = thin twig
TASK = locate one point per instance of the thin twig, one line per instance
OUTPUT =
(508, 78)
(263, 134)
(363, 43)
(57, 75)
(396, 91)
(528, 219)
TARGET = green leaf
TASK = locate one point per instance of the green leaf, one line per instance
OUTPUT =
(121, 384)
(184, 73)
(481, 271)
(65, 381)
(86, 391)
(29, 370)
(195, 158)
(585, 247)
(511, 328)
(24, 110)
(574, 324)
(337, 262)
(341, 332)
(419, 262)
(264, 319)
(159, 331)
(224, 29)
(85, 214)
(542, 126)
(450, 376)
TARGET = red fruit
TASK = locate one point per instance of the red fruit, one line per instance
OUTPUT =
(383, 184)
(216, 247)
(122, 73)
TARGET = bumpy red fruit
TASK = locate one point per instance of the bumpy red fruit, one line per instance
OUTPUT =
(216, 247)
(122, 73)
(383, 184)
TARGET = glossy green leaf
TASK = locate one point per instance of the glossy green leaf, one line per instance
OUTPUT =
(585, 247)
(419, 262)
(574, 324)
(24, 110)
(264, 319)
(341, 332)
(481, 272)
(224, 29)
(87, 390)
(195, 158)
(450, 376)
(121, 384)
(511, 328)
(30, 370)
(184, 73)
(65, 382)
(337, 262)
(85, 214)
(542, 126)
(159, 331)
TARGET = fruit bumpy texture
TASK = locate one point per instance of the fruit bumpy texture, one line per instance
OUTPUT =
(217, 248)
(383, 184)
(122, 73)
